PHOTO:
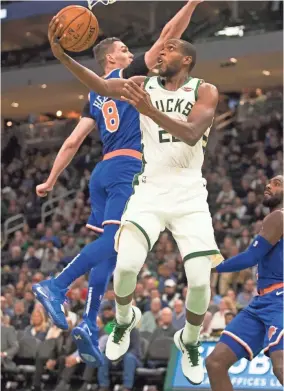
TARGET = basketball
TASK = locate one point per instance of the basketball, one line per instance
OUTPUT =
(81, 28)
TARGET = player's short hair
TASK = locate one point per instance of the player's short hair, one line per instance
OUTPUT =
(188, 50)
(103, 48)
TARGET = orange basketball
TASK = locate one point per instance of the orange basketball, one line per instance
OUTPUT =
(81, 28)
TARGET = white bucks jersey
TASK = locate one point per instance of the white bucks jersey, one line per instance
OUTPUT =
(160, 147)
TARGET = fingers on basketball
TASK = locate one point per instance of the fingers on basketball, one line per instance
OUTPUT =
(80, 28)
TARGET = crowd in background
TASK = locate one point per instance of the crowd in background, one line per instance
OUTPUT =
(249, 152)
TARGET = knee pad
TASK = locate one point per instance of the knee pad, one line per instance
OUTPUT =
(131, 256)
(198, 272)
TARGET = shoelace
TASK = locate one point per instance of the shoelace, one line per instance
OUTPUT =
(118, 331)
(193, 354)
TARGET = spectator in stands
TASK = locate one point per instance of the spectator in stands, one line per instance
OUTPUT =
(50, 260)
(170, 295)
(139, 297)
(39, 326)
(50, 237)
(129, 363)
(16, 258)
(30, 258)
(149, 318)
(247, 294)
(165, 328)
(226, 195)
(178, 315)
(29, 301)
(20, 320)
(9, 307)
(57, 351)
(218, 321)
(71, 249)
(77, 304)
(229, 316)
(9, 345)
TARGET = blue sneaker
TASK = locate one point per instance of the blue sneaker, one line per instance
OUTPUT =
(86, 339)
(52, 299)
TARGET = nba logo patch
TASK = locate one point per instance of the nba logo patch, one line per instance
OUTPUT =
(187, 89)
(272, 330)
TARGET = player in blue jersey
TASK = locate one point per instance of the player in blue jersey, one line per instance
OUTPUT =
(110, 183)
(260, 325)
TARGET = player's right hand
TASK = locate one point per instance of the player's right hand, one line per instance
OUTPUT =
(43, 189)
(55, 31)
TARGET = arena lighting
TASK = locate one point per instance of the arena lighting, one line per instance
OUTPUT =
(3, 13)
(233, 60)
(15, 104)
(232, 31)
(58, 113)
(81, 97)
(43, 86)
(266, 73)
(9, 123)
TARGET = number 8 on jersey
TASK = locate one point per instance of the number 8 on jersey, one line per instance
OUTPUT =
(111, 116)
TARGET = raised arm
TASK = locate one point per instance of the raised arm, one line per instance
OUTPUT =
(173, 29)
(199, 119)
(112, 88)
(66, 154)
(271, 232)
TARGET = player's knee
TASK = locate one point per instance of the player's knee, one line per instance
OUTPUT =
(214, 364)
(198, 271)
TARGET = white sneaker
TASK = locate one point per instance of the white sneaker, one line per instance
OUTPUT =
(191, 363)
(119, 339)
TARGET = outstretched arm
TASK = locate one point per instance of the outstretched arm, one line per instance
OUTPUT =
(199, 119)
(66, 154)
(111, 88)
(271, 232)
(173, 29)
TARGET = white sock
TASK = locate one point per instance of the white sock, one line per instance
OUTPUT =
(123, 313)
(190, 334)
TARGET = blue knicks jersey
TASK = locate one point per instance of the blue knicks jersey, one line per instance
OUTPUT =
(117, 121)
(270, 268)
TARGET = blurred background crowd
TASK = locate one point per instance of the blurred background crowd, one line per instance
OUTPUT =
(238, 163)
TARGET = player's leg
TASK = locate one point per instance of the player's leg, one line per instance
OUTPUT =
(278, 364)
(218, 365)
(271, 313)
(51, 293)
(235, 343)
(195, 238)
(133, 241)
(86, 333)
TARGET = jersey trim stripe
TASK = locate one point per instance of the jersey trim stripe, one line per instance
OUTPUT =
(94, 228)
(196, 89)
(241, 342)
(275, 342)
(201, 254)
(143, 232)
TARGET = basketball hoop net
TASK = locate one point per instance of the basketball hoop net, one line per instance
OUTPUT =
(92, 3)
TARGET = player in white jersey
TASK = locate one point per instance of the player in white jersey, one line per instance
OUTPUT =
(176, 114)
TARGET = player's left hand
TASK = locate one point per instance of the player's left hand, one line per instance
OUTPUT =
(55, 31)
(137, 97)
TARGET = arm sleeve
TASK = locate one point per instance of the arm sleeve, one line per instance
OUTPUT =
(257, 250)
(138, 67)
(86, 111)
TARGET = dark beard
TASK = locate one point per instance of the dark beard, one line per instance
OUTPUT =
(272, 202)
